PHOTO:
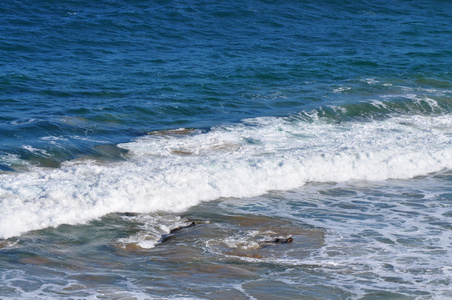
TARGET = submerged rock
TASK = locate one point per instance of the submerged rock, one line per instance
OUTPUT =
(180, 131)
(182, 227)
(111, 151)
(282, 241)
(167, 237)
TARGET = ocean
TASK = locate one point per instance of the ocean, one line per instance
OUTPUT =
(246, 149)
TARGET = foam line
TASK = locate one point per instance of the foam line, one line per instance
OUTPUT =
(174, 172)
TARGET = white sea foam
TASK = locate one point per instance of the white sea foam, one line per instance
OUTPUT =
(174, 172)
(52, 138)
(10, 159)
(378, 104)
(341, 89)
(381, 237)
(35, 150)
(152, 228)
(23, 122)
(399, 236)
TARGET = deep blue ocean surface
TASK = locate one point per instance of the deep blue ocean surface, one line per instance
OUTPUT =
(326, 121)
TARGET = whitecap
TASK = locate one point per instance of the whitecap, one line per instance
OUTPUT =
(173, 173)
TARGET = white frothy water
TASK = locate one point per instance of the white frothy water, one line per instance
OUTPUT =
(387, 239)
(152, 229)
(173, 172)
(394, 237)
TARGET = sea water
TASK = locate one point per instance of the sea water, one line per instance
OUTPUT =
(159, 149)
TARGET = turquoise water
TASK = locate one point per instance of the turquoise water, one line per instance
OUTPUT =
(328, 122)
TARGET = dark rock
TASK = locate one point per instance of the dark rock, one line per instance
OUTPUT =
(283, 241)
(167, 237)
(277, 241)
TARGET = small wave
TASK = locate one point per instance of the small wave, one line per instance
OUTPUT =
(23, 122)
(386, 106)
(35, 150)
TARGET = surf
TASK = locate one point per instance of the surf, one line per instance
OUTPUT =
(171, 171)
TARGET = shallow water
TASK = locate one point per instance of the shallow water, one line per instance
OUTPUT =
(355, 240)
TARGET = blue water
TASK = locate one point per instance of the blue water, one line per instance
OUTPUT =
(111, 71)
(329, 121)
